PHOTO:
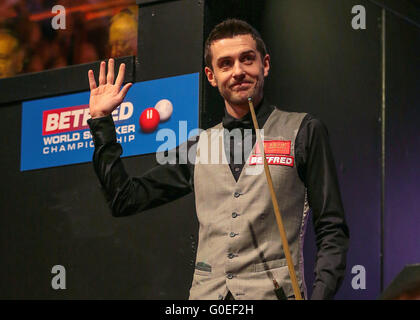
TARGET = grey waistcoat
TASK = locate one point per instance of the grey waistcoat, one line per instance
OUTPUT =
(239, 247)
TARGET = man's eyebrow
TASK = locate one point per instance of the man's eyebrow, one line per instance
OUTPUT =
(241, 54)
(247, 52)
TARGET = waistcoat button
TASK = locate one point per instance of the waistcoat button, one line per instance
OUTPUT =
(234, 214)
(231, 255)
(232, 234)
(229, 275)
(236, 194)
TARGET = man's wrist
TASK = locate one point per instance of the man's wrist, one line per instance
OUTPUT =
(97, 115)
(102, 130)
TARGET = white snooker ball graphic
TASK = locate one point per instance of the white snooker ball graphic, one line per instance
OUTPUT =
(165, 109)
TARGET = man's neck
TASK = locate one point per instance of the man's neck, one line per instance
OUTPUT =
(239, 111)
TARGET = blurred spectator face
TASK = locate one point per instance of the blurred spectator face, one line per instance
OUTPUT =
(11, 55)
(123, 35)
(87, 53)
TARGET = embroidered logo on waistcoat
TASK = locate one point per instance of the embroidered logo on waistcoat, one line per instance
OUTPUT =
(275, 147)
(277, 152)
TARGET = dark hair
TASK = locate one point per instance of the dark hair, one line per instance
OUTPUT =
(229, 29)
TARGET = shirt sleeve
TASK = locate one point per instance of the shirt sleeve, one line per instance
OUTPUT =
(128, 195)
(316, 168)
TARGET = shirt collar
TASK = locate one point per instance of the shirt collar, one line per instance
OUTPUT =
(262, 110)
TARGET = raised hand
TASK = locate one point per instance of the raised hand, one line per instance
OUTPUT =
(108, 96)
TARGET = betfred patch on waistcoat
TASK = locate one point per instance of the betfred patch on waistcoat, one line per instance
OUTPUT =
(275, 147)
(277, 152)
(272, 160)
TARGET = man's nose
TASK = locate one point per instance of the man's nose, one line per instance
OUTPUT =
(238, 70)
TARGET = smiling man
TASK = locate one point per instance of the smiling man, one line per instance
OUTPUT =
(239, 254)
(238, 69)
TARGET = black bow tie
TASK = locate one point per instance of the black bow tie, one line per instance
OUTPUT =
(231, 123)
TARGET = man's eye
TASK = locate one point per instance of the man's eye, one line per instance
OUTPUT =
(225, 64)
(248, 58)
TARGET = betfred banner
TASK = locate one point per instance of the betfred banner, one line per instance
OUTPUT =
(55, 130)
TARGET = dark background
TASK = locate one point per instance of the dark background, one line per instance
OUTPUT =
(320, 65)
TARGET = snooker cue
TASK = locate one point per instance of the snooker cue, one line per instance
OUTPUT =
(279, 220)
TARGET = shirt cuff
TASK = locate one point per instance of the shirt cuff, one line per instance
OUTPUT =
(102, 130)
(321, 292)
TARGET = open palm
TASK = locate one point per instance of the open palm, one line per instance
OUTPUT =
(108, 96)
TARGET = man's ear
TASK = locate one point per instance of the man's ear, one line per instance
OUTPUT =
(210, 76)
(266, 64)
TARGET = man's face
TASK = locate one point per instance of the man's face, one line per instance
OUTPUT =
(238, 70)
(123, 37)
(10, 58)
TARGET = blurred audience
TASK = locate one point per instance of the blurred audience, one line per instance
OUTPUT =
(11, 54)
(92, 33)
(123, 33)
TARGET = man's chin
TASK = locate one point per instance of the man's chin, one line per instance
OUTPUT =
(239, 102)
(240, 99)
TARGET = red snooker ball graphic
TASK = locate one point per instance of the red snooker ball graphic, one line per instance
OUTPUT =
(149, 120)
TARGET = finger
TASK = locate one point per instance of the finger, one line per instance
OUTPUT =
(124, 90)
(92, 82)
(120, 76)
(110, 76)
(102, 73)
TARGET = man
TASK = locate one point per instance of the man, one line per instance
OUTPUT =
(239, 254)
(11, 54)
(123, 33)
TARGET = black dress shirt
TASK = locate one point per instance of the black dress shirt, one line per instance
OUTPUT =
(164, 183)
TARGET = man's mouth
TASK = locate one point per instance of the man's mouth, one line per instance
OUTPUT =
(241, 85)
